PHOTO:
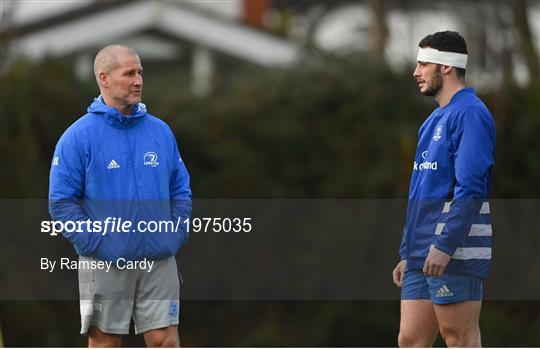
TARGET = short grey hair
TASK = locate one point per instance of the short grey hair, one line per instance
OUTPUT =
(106, 58)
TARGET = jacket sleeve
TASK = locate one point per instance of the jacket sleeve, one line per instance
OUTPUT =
(180, 193)
(66, 186)
(403, 247)
(473, 139)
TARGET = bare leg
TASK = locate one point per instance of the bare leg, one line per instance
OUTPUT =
(166, 337)
(97, 338)
(418, 325)
(459, 323)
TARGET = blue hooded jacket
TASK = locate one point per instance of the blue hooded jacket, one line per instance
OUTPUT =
(129, 167)
(450, 185)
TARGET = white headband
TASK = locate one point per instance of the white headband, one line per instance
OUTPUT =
(452, 59)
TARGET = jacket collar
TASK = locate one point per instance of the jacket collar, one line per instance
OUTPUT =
(113, 117)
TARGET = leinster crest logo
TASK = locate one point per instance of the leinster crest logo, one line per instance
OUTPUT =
(150, 159)
(438, 132)
(173, 309)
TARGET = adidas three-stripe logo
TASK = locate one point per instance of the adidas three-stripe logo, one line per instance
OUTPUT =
(444, 291)
(113, 164)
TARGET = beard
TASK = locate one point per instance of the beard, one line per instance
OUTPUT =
(435, 85)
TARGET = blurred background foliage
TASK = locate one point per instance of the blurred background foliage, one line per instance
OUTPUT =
(331, 128)
(326, 128)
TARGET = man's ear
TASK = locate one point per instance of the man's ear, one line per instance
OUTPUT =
(103, 79)
(446, 69)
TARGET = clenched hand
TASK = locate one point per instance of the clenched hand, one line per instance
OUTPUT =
(399, 271)
(436, 262)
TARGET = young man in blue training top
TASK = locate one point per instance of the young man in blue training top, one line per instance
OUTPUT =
(118, 161)
(446, 246)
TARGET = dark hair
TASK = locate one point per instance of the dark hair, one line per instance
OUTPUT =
(447, 41)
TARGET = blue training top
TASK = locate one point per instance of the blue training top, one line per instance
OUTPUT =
(450, 185)
(129, 167)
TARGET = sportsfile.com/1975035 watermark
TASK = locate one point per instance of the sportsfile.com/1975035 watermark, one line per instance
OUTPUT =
(119, 225)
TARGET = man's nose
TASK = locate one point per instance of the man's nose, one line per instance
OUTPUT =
(138, 81)
(416, 72)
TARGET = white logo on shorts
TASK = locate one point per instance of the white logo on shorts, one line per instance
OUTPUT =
(444, 291)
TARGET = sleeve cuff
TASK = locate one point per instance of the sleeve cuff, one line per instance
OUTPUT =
(449, 250)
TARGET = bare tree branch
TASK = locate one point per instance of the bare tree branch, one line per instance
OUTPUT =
(379, 27)
(525, 39)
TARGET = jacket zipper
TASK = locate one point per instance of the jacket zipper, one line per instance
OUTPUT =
(132, 164)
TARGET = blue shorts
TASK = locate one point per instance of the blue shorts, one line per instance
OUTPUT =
(448, 289)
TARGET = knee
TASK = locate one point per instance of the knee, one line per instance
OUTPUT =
(451, 339)
(405, 340)
(104, 343)
(408, 340)
(460, 339)
(164, 341)
(96, 338)
(170, 342)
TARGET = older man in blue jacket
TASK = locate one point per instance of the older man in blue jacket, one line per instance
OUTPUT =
(119, 161)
